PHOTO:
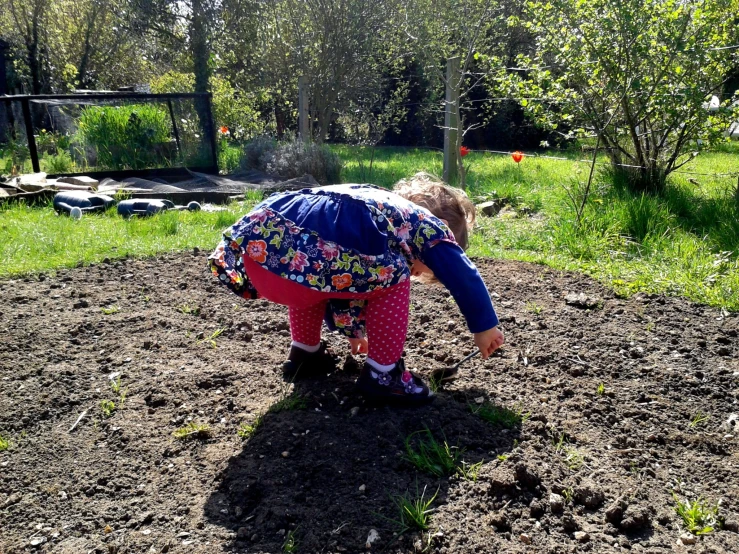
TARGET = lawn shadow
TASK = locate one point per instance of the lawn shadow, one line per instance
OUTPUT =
(329, 469)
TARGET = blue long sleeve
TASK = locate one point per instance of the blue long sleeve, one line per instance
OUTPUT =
(460, 276)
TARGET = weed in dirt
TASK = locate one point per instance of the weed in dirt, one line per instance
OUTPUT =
(601, 390)
(291, 543)
(573, 458)
(107, 407)
(469, 472)
(534, 308)
(193, 431)
(4, 444)
(289, 402)
(650, 327)
(415, 512)
(116, 385)
(110, 310)
(568, 494)
(247, 430)
(698, 419)
(500, 415)
(502, 457)
(212, 338)
(698, 517)
(431, 456)
(189, 310)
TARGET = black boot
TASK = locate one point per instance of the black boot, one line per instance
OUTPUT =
(301, 363)
(396, 386)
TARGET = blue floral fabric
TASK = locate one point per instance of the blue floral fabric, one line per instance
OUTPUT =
(304, 256)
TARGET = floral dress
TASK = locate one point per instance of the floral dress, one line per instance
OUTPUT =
(394, 230)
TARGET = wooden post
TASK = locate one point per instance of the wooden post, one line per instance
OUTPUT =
(451, 121)
(303, 110)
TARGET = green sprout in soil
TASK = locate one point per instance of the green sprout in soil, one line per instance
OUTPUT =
(502, 457)
(534, 308)
(4, 444)
(568, 494)
(573, 458)
(469, 472)
(212, 338)
(431, 456)
(291, 543)
(189, 310)
(601, 390)
(110, 310)
(193, 431)
(500, 415)
(698, 517)
(698, 419)
(289, 402)
(107, 407)
(415, 513)
(246, 430)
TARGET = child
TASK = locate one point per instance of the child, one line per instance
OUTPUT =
(346, 253)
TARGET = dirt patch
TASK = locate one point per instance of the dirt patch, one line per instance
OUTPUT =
(591, 470)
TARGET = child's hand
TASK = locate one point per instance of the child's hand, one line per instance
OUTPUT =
(489, 341)
(359, 346)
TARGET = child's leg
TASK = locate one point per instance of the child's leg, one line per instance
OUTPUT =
(305, 324)
(387, 323)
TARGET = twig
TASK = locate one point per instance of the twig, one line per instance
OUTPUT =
(83, 414)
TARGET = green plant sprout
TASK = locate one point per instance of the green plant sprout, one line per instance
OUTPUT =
(291, 542)
(469, 472)
(698, 419)
(107, 407)
(568, 494)
(415, 513)
(698, 517)
(4, 444)
(288, 401)
(534, 308)
(500, 415)
(212, 338)
(601, 390)
(247, 430)
(110, 310)
(193, 430)
(431, 456)
(189, 310)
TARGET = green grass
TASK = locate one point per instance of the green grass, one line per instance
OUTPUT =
(500, 415)
(431, 456)
(193, 430)
(247, 430)
(107, 407)
(4, 443)
(291, 542)
(698, 517)
(414, 511)
(35, 239)
(684, 242)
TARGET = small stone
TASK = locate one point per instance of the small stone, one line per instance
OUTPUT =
(362, 488)
(183, 535)
(242, 533)
(354, 411)
(556, 503)
(37, 541)
(62, 495)
(687, 538)
(582, 536)
(372, 538)
(731, 525)
(479, 400)
(525, 538)
(254, 537)
(285, 454)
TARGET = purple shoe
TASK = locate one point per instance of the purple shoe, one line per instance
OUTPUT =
(395, 386)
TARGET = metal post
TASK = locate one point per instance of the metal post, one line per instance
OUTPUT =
(174, 126)
(303, 110)
(3, 91)
(29, 135)
(451, 121)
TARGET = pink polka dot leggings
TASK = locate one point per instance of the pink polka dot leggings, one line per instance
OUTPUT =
(386, 311)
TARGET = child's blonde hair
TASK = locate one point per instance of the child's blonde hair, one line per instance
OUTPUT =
(445, 202)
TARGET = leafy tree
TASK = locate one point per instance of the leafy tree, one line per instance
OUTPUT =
(636, 74)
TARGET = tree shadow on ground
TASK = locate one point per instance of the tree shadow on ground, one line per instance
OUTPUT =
(328, 466)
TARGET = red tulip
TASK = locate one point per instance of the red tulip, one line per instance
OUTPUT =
(463, 151)
(517, 156)
(223, 130)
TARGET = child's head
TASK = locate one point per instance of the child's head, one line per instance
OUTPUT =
(445, 202)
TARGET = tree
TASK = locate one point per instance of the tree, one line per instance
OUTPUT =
(28, 20)
(636, 74)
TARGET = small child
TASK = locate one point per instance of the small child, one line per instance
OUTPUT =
(346, 253)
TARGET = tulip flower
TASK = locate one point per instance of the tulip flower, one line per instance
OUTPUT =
(463, 151)
(517, 156)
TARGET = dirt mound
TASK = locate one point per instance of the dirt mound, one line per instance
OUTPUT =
(629, 400)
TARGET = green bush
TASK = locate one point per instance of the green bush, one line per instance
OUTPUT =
(59, 163)
(293, 159)
(126, 137)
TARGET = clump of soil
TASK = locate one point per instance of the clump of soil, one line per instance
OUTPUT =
(627, 401)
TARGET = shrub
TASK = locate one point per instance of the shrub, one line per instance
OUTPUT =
(59, 163)
(127, 137)
(293, 159)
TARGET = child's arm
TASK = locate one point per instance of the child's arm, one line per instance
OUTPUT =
(460, 276)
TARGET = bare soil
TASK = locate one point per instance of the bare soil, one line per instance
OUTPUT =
(185, 349)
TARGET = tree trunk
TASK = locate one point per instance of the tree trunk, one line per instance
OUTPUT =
(201, 69)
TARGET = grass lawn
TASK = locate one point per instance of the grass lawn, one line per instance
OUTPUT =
(682, 243)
